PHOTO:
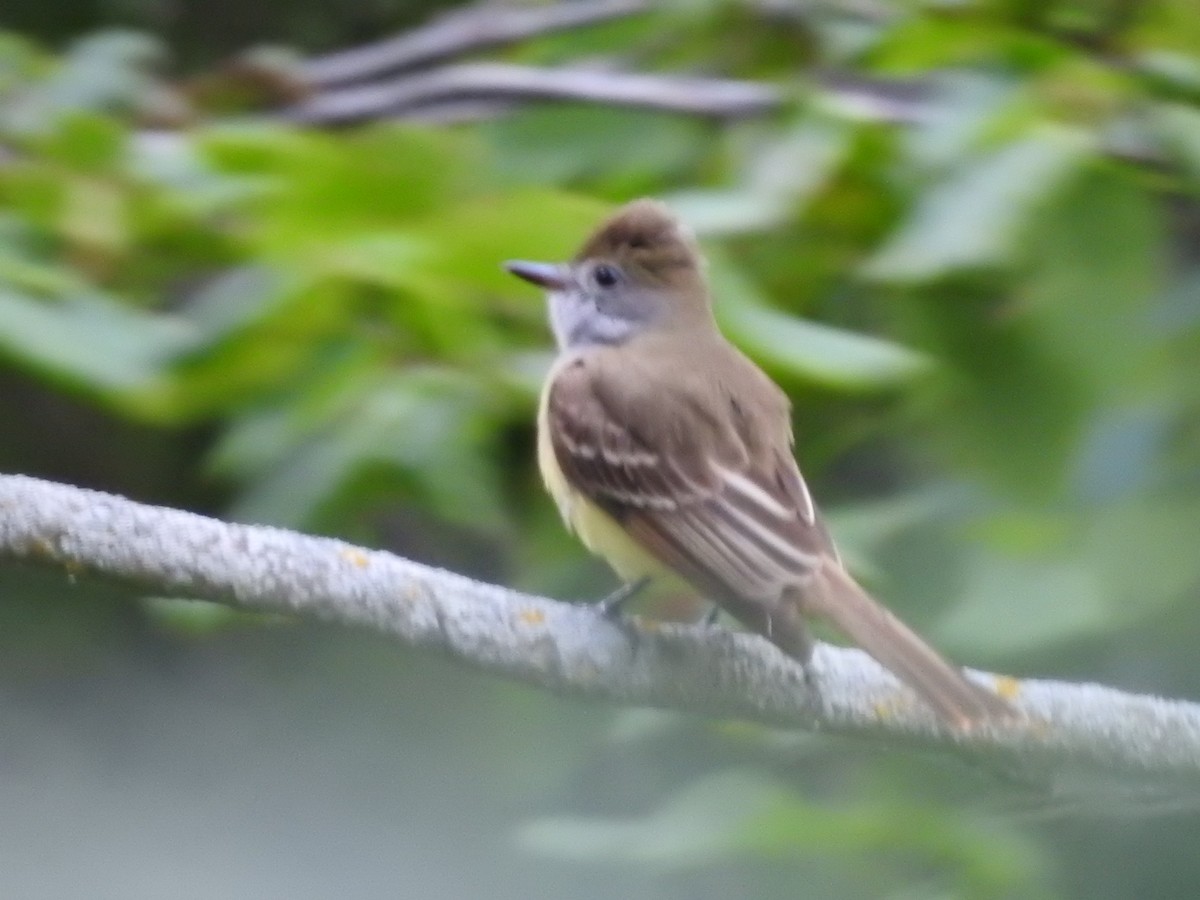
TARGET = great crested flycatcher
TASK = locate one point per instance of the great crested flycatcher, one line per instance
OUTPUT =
(669, 453)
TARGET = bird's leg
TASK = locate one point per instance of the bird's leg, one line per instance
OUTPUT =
(610, 606)
(784, 627)
(712, 616)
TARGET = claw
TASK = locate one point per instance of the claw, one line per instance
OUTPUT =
(610, 606)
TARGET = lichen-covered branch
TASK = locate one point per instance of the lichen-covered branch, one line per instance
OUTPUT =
(572, 649)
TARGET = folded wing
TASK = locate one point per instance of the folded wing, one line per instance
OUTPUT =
(704, 498)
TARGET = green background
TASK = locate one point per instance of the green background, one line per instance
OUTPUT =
(987, 316)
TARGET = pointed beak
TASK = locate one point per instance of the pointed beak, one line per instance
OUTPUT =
(547, 275)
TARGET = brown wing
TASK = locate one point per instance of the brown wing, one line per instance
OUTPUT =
(710, 490)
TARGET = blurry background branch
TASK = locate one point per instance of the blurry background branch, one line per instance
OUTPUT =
(360, 83)
(720, 98)
(458, 32)
(573, 649)
(378, 93)
(397, 79)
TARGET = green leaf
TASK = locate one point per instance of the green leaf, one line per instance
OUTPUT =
(469, 240)
(975, 218)
(781, 179)
(1144, 553)
(25, 273)
(183, 170)
(964, 107)
(236, 299)
(1005, 405)
(816, 352)
(566, 143)
(375, 181)
(1174, 71)
(863, 528)
(705, 821)
(1179, 128)
(1011, 604)
(194, 618)
(105, 72)
(744, 815)
(87, 142)
(1055, 580)
(431, 427)
(390, 258)
(259, 436)
(1026, 369)
(95, 344)
(1096, 258)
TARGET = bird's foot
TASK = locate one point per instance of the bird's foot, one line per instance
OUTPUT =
(610, 607)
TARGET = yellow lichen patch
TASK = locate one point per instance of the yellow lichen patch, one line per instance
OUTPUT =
(889, 709)
(884, 709)
(356, 557)
(45, 548)
(1008, 688)
(530, 616)
(1038, 728)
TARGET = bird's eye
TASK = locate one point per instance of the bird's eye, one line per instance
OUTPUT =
(605, 276)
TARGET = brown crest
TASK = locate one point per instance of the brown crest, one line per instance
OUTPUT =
(644, 235)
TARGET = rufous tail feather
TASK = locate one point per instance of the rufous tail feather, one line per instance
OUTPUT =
(838, 598)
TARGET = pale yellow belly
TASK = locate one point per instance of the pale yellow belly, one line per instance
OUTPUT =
(598, 531)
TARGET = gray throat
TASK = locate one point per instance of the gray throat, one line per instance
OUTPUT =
(576, 322)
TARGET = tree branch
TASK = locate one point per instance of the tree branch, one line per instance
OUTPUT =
(719, 98)
(572, 649)
(473, 28)
(361, 82)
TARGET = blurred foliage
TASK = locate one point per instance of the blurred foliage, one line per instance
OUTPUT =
(988, 319)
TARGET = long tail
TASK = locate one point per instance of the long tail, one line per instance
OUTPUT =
(836, 596)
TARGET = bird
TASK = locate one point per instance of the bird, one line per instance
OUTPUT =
(670, 454)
